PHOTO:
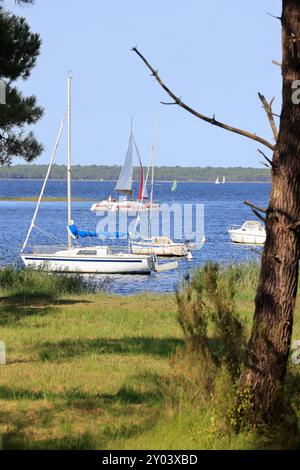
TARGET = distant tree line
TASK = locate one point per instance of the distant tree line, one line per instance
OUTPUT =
(162, 173)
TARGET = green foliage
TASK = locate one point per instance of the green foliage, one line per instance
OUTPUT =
(207, 370)
(209, 320)
(26, 284)
(19, 49)
(162, 173)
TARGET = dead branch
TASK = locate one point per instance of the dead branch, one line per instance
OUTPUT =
(268, 108)
(258, 215)
(265, 156)
(212, 120)
(253, 206)
(275, 62)
(274, 16)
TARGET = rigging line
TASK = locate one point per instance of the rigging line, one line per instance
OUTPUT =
(145, 185)
(51, 237)
(45, 181)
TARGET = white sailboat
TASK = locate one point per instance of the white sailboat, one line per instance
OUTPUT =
(158, 245)
(223, 180)
(124, 187)
(92, 259)
(217, 181)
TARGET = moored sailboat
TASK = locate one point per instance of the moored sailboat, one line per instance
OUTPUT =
(124, 187)
(158, 245)
(90, 259)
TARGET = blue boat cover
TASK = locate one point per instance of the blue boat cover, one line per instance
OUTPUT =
(75, 233)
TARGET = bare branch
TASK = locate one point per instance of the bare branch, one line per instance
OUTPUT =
(253, 206)
(273, 16)
(199, 115)
(275, 62)
(265, 156)
(259, 216)
(268, 108)
(167, 104)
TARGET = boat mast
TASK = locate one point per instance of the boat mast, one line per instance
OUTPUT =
(69, 162)
(32, 225)
(152, 174)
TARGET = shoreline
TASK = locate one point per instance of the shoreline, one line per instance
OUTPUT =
(157, 181)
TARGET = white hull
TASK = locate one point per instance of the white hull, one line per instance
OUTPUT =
(160, 246)
(126, 206)
(247, 239)
(105, 264)
(250, 233)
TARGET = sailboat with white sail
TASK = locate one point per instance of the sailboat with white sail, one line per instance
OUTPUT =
(158, 245)
(124, 186)
(87, 259)
(218, 181)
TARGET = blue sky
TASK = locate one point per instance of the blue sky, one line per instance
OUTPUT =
(216, 55)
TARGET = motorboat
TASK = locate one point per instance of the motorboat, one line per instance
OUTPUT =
(252, 232)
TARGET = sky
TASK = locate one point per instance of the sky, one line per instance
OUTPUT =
(215, 55)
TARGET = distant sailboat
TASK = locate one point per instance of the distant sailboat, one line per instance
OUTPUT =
(220, 182)
(174, 186)
(124, 186)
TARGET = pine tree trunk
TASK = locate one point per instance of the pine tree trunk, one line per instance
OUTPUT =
(269, 345)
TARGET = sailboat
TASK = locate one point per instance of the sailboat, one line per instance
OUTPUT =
(220, 182)
(124, 186)
(87, 259)
(158, 245)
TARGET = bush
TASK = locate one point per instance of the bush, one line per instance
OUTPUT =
(208, 317)
(206, 370)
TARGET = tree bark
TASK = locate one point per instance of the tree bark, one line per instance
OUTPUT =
(269, 344)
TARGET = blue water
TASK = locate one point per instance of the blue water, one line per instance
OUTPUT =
(223, 205)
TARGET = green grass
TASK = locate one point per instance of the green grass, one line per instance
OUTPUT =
(29, 284)
(92, 371)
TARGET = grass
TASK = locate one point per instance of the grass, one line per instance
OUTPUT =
(93, 371)
(29, 284)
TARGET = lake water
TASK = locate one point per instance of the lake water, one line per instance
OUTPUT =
(223, 205)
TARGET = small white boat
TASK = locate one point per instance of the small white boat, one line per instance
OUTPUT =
(251, 232)
(95, 259)
(217, 181)
(112, 205)
(160, 246)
